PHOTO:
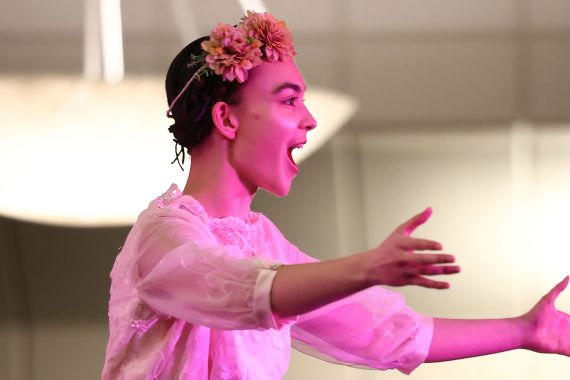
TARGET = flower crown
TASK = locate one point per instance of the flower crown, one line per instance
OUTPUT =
(232, 51)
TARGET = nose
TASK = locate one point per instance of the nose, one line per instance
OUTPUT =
(309, 121)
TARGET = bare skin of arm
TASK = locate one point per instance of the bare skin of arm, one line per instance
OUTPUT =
(399, 261)
(300, 288)
(543, 329)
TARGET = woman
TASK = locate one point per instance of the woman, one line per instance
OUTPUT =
(204, 288)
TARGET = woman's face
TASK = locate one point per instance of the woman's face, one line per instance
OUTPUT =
(272, 120)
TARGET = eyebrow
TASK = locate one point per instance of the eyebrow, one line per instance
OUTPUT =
(295, 87)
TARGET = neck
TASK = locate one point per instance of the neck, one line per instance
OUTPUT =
(214, 182)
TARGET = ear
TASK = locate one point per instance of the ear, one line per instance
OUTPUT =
(224, 120)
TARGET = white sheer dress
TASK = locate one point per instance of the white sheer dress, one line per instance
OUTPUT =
(190, 300)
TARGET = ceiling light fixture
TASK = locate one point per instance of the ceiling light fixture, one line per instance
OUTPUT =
(78, 152)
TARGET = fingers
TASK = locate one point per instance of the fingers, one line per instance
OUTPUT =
(434, 270)
(426, 265)
(408, 227)
(555, 292)
(428, 283)
(431, 259)
(415, 244)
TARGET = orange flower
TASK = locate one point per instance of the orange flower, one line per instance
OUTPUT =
(230, 53)
(274, 36)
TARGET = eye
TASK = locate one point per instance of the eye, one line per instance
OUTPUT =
(290, 101)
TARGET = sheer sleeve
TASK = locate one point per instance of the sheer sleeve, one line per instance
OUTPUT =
(186, 274)
(371, 329)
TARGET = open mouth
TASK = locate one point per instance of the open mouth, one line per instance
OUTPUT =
(290, 152)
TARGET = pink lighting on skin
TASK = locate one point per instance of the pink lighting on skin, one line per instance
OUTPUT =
(421, 220)
(251, 142)
(249, 148)
(543, 329)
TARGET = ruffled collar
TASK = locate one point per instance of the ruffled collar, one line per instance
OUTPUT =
(174, 194)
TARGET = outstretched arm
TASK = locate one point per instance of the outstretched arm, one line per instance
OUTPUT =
(301, 288)
(542, 329)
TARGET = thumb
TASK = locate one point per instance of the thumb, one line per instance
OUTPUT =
(555, 292)
(409, 226)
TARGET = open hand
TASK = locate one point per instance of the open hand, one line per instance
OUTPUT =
(548, 328)
(396, 261)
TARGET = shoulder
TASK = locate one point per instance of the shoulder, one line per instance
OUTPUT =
(291, 254)
(173, 214)
(268, 227)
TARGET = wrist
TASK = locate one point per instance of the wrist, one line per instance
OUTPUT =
(526, 329)
(362, 267)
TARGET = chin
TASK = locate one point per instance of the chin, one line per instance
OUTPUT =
(277, 182)
(280, 190)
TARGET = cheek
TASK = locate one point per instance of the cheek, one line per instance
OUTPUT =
(264, 131)
(272, 154)
(253, 127)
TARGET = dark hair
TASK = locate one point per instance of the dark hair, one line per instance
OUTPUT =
(192, 113)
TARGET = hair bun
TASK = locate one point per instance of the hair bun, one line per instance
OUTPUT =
(192, 112)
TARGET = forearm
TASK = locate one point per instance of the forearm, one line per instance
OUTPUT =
(301, 288)
(462, 338)
(398, 261)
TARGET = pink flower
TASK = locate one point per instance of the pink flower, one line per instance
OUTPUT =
(230, 54)
(275, 37)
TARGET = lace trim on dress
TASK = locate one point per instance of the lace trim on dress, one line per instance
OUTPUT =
(229, 230)
(193, 205)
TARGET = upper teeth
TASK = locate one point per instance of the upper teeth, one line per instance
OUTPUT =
(300, 146)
